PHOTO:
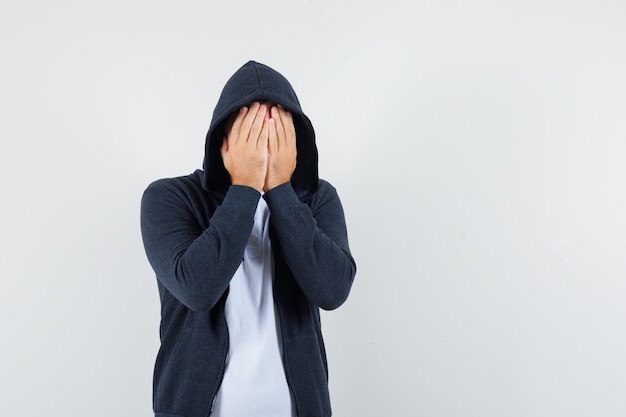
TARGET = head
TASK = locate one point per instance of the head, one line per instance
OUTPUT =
(257, 82)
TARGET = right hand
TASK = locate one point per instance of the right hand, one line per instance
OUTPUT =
(244, 149)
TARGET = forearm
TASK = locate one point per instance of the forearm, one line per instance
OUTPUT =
(314, 247)
(196, 265)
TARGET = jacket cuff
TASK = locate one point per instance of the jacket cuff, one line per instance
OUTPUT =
(240, 197)
(281, 198)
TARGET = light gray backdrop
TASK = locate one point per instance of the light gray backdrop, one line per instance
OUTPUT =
(478, 148)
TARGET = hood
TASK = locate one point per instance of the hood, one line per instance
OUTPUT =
(258, 82)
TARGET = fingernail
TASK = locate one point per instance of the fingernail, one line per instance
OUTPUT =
(243, 109)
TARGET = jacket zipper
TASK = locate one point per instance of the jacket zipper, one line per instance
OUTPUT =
(221, 379)
(282, 341)
(280, 324)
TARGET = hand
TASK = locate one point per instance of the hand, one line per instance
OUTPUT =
(245, 148)
(282, 149)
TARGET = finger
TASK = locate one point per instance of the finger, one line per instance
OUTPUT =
(235, 129)
(257, 124)
(272, 138)
(248, 121)
(288, 126)
(280, 130)
(224, 149)
(263, 137)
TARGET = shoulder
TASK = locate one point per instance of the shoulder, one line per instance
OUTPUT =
(167, 188)
(191, 181)
(323, 184)
(324, 187)
(325, 191)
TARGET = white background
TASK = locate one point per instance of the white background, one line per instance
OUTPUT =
(477, 146)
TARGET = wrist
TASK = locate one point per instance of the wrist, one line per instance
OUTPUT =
(273, 183)
(247, 182)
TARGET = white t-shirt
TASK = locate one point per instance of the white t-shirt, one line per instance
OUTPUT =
(254, 383)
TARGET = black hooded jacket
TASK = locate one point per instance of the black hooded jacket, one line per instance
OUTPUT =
(195, 229)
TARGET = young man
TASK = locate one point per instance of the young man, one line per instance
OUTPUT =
(245, 252)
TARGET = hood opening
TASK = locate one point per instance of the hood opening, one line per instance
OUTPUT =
(258, 82)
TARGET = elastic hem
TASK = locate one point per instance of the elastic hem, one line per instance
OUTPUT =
(281, 198)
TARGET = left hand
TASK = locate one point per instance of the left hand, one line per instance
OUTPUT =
(282, 149)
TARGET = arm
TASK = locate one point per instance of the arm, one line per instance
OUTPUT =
(195, 265)
(314, 243)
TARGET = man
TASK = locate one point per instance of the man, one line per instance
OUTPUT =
(245, 252)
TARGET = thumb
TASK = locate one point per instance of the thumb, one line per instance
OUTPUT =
(224, 147)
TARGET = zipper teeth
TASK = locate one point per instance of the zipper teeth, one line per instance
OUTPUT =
(280, 322)
(220, 384)
(222, 372)
(284, 359)
(282, 335)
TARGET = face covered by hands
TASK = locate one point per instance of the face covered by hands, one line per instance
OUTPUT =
(259, 149)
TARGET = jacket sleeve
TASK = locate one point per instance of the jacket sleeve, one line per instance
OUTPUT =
(195, 265)
(314, 243)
